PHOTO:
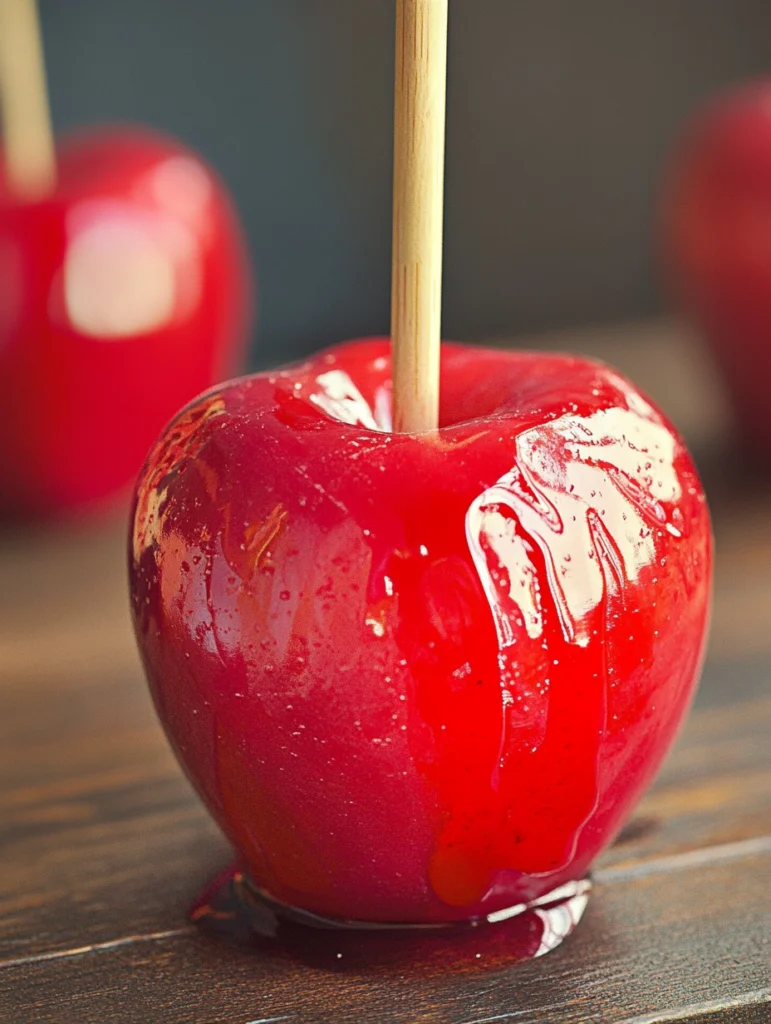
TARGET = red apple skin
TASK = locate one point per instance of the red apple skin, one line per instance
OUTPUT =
(123, 294)
(716, 225)
(421, 677)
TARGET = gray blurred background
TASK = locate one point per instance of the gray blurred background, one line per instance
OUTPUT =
(561, 113)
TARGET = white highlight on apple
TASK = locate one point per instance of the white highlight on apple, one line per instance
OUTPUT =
(588, 491)
(182, 187)
(125, 274)
(340, 398)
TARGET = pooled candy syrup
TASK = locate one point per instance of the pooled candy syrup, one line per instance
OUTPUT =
(420, 678)
(234, 906)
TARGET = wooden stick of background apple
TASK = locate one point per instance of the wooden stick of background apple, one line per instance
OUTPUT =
(30, 159)
(416, 290)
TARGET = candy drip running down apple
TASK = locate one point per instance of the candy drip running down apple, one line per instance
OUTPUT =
(717, 246)
(420, 675)
(124, 292)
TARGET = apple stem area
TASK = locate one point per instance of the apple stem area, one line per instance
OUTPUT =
(416, 291)
(28, 142)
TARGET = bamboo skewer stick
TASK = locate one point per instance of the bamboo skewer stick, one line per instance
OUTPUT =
(30, 158)
(416, 288)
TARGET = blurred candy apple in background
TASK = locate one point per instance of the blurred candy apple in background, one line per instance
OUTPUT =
(124, 291)
(716, 222)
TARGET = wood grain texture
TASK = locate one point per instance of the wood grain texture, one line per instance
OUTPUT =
(102, 836)
(657, 943)
(103, 845)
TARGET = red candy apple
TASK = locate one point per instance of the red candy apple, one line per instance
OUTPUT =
(717, 234)
(123, 294)
(420, 677)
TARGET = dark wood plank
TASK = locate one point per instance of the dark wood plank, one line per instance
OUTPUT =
(749, 1010)
(103, 838)
(659, 942)
(99, 830)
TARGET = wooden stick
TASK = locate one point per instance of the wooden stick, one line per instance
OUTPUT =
(30, 158)
(416, 287)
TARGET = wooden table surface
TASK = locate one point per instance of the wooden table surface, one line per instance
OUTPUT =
(103, 845)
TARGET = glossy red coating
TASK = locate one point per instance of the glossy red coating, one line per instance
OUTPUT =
(122, 295)
(717, 238)
(421, 677)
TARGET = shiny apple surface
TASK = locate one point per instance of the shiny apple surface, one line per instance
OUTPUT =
(421, 677)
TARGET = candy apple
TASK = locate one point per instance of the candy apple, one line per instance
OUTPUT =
(420, 677)
(123, 294)
(717, 237)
